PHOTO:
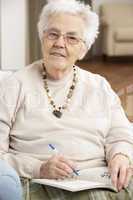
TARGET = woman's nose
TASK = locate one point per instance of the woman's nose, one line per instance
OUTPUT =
(60, 41)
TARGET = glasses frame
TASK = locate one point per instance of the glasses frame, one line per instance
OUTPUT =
(66, 36)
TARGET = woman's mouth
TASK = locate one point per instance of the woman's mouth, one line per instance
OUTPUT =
(57, 54)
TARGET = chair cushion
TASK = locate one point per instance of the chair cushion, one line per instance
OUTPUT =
(124, 34)
(117, 13)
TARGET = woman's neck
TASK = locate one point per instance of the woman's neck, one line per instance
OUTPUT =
(57, 74)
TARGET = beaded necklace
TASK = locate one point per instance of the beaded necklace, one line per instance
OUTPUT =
(57, 110)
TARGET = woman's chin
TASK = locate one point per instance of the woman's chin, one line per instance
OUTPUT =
(58, 65)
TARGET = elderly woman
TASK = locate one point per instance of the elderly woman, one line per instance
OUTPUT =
(53, 101)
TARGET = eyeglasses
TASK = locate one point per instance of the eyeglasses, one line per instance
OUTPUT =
(68, 38)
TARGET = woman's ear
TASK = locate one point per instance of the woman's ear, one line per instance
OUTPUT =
(83, 51)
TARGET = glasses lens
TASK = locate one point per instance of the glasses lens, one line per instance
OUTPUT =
(52, 35)
(72, 40)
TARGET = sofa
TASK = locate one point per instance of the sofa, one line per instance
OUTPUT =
(117, 29)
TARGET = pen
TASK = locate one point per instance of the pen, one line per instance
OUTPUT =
(56, 151)
(53, 148)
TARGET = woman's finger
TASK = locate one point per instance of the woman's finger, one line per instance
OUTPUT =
(70, 163)
(60, 167)
(114, 170)
(65, 167)
(128, 177)
(121, 177)
(61, 174)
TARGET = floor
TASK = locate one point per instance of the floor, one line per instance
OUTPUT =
(119, 74)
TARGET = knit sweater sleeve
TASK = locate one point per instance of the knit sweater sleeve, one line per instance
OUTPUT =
(11, 99)
(120, 136)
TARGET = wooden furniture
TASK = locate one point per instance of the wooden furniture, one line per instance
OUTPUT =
(126, 96)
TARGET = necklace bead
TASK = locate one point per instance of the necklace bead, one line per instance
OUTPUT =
(57, 113)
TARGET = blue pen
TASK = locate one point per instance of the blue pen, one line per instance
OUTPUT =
(53, 148)
(56, 151)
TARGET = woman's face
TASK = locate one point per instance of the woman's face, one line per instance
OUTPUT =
(63, 41)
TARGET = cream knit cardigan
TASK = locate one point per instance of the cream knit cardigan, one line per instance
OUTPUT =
(91, 130)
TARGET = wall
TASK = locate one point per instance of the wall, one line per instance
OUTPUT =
(13, 34)
(35, 8)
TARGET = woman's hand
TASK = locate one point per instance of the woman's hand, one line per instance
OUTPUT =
(57, 167)
(120, 170)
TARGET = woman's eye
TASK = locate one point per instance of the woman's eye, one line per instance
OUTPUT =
(72, 38)
(53, 35)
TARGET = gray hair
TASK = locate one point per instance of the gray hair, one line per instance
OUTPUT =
(73, 7)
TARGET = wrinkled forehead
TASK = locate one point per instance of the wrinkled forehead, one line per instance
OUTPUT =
(66, 22)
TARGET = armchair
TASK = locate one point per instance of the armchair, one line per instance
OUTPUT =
(117, 29)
